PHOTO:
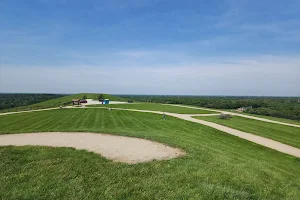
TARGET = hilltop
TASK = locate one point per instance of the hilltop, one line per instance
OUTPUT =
(63, 101)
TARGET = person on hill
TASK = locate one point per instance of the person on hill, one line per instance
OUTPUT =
(164, 116)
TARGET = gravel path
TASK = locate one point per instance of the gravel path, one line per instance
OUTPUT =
(250, 137)
(95, 102)
(117, 148)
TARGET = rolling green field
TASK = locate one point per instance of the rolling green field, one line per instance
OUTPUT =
(281, 133)
(156, 107)
(217, 165)
(66, 100)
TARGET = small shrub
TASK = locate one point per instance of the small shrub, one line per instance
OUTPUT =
(225, 116)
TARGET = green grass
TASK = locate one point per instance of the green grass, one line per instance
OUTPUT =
(274, 118)
(290, 121)
(281, 133)
(66, 100)
(217, 165)
(261, 116)
(156, 107)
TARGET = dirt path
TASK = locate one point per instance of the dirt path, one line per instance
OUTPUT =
(250, 137)
(240, 115)
(117, 148)
(96, 102)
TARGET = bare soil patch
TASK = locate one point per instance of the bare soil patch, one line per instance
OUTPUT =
(117, 148)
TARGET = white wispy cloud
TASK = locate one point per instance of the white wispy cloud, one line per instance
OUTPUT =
(265, 75)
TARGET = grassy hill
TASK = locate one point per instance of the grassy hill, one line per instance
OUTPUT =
(68, 99)
(217, 165)
(62, 101)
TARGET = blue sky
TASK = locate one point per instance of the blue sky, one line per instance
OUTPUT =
(193, 47)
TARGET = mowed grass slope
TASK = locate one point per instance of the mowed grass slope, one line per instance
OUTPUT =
(156, 107)
(281, 133)
(217, 165)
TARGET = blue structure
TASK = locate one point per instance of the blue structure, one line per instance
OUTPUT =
(106, 101)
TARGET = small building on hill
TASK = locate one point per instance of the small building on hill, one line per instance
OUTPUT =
(106, 101)
(76, 102)
(243, 109)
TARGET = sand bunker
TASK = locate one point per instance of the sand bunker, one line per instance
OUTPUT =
(117, 148)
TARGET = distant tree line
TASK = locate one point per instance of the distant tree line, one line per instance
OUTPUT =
(284, 107)
(8, 101)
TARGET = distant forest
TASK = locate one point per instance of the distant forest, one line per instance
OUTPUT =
(8, 101)
(283, 107)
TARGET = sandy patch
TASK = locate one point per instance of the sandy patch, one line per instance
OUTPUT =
(117, 148)
(95, 102)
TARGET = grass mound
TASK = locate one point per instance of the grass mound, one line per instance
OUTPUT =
(217, 165)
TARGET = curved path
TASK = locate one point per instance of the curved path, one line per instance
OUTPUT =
(250, 137)
(117, 148)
